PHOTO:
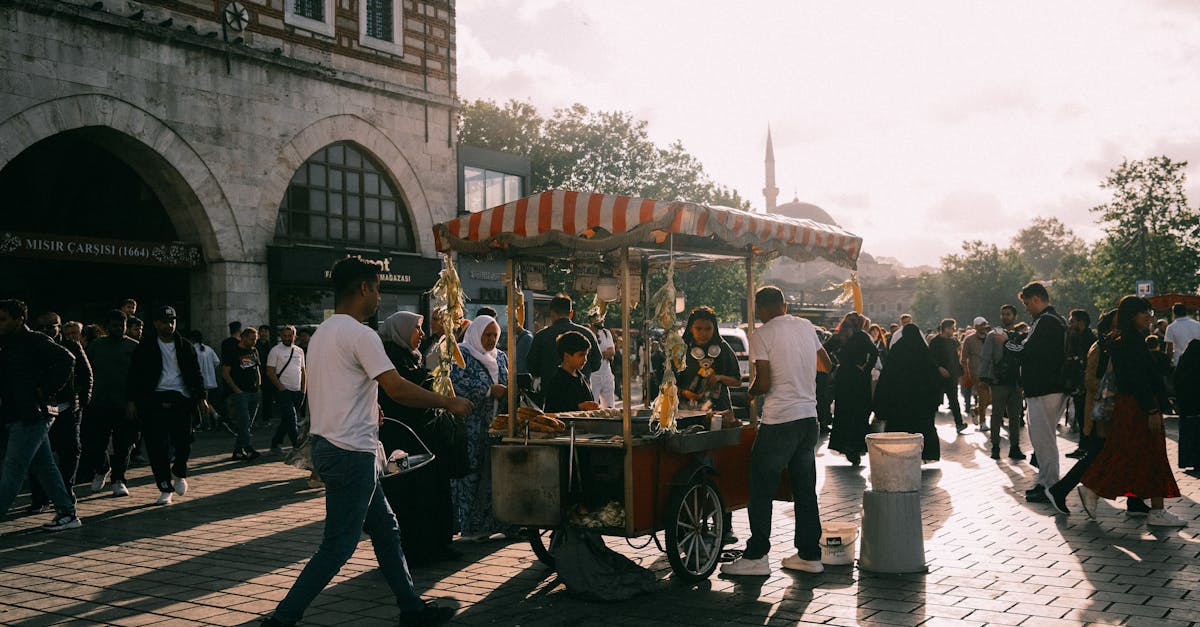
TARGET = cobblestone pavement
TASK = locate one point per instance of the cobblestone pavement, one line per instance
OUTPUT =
(227, 552)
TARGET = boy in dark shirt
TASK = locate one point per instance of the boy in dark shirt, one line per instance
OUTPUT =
(567, 389)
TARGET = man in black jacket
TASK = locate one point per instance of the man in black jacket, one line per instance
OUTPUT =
(68, 405)
(543, 353)
(32, 371)
(1043, 354)
(164, 393)
(947, 354)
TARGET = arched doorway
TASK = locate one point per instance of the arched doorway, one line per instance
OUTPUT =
(81, 230)
(342, 201)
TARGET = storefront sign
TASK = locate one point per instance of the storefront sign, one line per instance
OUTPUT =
(97, 250)
(312, 267)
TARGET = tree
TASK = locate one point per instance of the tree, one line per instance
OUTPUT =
(608, 152)
(974, 283)
(1151, 233)
(1044, 243)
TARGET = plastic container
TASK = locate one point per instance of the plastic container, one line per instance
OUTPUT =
(837, 542)
(895, 461)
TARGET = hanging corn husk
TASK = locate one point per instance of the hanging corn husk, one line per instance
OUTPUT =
(447, 293)
(850, 291)
(666, 406)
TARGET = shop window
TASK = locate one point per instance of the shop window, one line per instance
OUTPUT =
(311, 15)
(342, 196)
(379, 26)
(483, 189)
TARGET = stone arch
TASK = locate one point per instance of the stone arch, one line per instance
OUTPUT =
(346, 127)
(194, 200)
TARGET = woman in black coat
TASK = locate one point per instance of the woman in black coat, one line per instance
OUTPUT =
(421, 500)
(1187, 400)
(909, 391)
(856, 355)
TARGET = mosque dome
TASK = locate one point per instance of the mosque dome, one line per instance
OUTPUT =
(804, 211)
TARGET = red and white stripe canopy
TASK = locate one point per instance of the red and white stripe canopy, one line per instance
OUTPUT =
(601, 222)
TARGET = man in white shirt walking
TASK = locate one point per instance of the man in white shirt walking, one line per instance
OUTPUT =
(604, 384)
(346, 367)
(786, 353)
(285, 373)
(1181, 332)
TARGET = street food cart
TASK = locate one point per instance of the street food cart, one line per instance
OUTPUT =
(613, 471)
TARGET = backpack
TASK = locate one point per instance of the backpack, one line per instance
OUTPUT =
(1007, 371)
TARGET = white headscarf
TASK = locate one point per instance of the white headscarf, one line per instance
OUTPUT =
(473, 343)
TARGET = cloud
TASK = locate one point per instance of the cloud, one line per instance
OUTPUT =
(992, 100)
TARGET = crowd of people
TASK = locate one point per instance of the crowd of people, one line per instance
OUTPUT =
(78, 399)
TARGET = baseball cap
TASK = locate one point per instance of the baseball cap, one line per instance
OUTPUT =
(164, 312)
(980, 321)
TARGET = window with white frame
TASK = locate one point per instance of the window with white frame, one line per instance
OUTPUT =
(379, 26)
(483, 189)
(311, 15)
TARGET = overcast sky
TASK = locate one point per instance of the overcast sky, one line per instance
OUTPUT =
(916, 125)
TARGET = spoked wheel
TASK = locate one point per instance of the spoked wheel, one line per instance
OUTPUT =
(540, 540)
(695, 525)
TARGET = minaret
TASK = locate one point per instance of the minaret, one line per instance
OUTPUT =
(770, 191)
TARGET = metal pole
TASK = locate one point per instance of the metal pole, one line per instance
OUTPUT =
(626, 402)
(750, 330)
(512, 348)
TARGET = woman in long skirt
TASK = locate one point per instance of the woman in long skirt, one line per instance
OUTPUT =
(483, 381)
(1134, 458)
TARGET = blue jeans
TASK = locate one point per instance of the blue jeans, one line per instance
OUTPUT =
(25, 447)
(244, 407)
(354, 503)
(791, 446)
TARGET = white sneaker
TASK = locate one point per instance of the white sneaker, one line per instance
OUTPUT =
(60, 523)
(180, 485)
(119, 489)
(164, 498)
(795, 562)
(1163, 518)
(748, 567)
(98, 482)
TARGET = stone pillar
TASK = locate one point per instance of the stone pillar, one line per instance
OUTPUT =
(224, 291)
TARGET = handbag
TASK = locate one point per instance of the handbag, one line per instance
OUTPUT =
(1106, 396)
(449, 434)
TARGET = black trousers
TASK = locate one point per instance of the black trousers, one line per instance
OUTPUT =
(64, 443)
(98, 427)
(950, 389)
(167, 425)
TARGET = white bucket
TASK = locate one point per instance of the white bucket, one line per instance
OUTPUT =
(837, 542)
(895, 461)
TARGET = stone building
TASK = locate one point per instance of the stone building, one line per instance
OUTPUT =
(221, 155)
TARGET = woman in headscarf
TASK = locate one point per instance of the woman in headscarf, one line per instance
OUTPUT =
(1187, 398)
(1134, 458)
(484, 381)
(852, 388)
(909, 390)
(422, 503)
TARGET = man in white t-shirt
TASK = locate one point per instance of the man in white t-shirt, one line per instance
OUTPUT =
(786, 353)
(346, 368)
(604, 384)
(285, 373)
(1181, 332)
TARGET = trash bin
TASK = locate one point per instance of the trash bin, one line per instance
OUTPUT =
(895, 461)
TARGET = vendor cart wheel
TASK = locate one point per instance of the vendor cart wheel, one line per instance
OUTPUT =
(695, 526)
(540, 540)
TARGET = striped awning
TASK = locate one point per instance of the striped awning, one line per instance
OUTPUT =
(581, 221)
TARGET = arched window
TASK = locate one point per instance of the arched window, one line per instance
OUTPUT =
(342, 196)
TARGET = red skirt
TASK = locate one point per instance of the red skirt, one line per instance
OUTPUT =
(1133, 461)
